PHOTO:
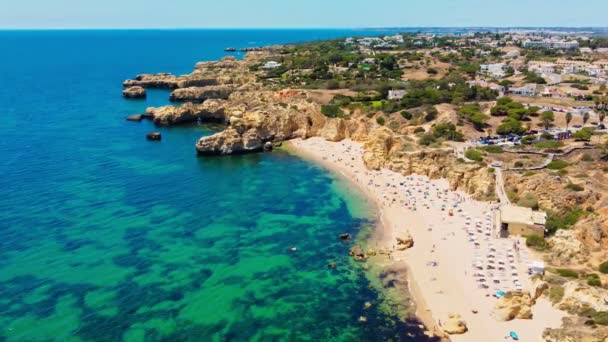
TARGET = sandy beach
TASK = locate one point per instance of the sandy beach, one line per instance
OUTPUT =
(458, 262)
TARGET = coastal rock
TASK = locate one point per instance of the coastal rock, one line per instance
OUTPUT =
(454, 325)
(200, 94)
(268, 146)
(154, 136)
(255, 118)
(209, 111)
(574, 329)
(538, 288)
(514, 304)
(135, 92)
(378, 148)
(405, 242)
(579, 295)
(334, 130)
(160, 80)
(565, 247)
(137, 117)
(357, 253)
(550, 191)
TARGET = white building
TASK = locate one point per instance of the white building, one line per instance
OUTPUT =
(396, 94)
(496, 70)
(550, 44)
(526, 90)
(271, 65)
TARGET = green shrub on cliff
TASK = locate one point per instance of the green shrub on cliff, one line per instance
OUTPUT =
(536, 242)
(332, 111)
(473, 154)
(567, 273)
(604, 267)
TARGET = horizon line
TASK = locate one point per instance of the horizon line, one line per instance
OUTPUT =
(287, 28)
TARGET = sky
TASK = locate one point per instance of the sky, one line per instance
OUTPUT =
(56, 14)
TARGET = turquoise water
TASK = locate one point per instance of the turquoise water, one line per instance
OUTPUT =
(105, 236)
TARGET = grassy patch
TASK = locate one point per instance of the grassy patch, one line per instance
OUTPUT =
(574, 187)
(563, 220)
(473, 154)
(536, 242)
(557, 165)
(549, 144)
(556, 294)
(567, 273)
(492, 149)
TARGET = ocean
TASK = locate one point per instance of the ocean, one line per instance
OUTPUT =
(105, 236)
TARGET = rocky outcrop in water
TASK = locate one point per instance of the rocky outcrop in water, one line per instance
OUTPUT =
(135, 92)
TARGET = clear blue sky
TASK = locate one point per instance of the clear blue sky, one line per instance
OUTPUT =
(298, 13)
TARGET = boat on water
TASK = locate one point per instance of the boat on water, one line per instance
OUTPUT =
(230, 49)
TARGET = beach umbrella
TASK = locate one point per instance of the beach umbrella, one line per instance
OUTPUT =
(514, 335)
(500, 293)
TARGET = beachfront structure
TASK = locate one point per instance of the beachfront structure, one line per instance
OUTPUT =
(515, 220)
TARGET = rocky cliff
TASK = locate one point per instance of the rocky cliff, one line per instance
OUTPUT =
(228, 92)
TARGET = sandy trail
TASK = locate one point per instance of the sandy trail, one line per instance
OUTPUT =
(452, 253)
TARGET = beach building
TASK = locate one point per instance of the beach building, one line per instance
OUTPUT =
(515, 220)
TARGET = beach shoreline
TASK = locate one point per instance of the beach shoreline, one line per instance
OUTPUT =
(422, 311)
(437, 267)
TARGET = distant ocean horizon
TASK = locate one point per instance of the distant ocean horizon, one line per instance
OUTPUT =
(105, 236)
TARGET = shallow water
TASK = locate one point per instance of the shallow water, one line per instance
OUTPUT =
(105, 236)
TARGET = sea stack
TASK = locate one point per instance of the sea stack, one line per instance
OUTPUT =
(135, 92)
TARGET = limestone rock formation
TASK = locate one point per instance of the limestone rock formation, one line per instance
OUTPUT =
(550, 191)
(566, 248)
(514, 304)
(255, 118)
(161, 80)
(209, 111)
(574, 329)
(405, 242)
(357, 253)
(135, 92)
(200, 94)
(578, 295)
(454, 325)
(538, 288)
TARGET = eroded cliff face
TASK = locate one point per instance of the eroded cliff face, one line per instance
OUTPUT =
(228, 92)
(384, 149)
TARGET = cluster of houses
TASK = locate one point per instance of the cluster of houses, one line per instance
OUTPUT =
(367, 44)
(551, 43)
